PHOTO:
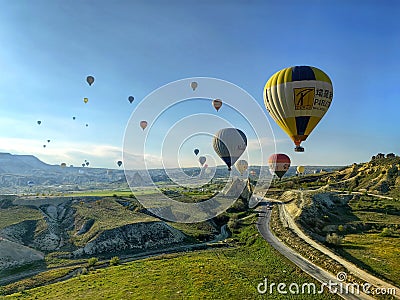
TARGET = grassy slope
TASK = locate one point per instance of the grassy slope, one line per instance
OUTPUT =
(223, 273)
(17, 214)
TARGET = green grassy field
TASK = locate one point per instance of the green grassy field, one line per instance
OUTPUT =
(375, 253)
(17, 214)
(220, 273)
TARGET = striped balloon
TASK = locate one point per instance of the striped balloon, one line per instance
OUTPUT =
(279, 164)
(297, 98)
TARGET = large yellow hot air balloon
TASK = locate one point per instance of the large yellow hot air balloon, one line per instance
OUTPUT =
(85, 100)
(297, 98)
(242, 166)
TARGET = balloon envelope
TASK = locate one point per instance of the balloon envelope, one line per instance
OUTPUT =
(85, 100)
(279, 164)
(39, 122)
(193, 85)
(119, 163)
(202, 160)
(87, 163)
(217, 103)
(300, 169)
(143, 124)
(131, 98)
(241, 165)
(63, 165)
(90, 80)
(297, 98)
(196, 151)
(229, 144)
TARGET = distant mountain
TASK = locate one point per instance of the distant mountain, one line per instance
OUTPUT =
(21, 164)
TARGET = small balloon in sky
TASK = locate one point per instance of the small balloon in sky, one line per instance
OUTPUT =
(196, 151)
(63, 165)
(44, 146)
(202, 160)
(85, 100)
(119, 163)
(143, 124)
(217, 103)
(90, 80)
(39, 122)
(87, 125)
(73, 118)
(131, 98)
(83, 165)
(48, 141)
(194, 85)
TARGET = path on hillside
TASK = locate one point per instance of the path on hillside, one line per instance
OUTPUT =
(307, 266)
(288, 220)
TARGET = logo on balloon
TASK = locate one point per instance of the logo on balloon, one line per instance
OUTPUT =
(194, 144)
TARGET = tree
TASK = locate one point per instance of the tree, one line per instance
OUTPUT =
(92, 261)
(334, 239)
(114, 261)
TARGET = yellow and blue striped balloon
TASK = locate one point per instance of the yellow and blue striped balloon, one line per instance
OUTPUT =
(297, 98)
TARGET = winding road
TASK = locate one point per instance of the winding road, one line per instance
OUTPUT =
(307, 266)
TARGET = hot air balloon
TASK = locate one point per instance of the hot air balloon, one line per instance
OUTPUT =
(193, 85)
(90, 80)
(143, 124)
(44, 146)
(300, 169)
(297, 98)
(87, 163)
(242, 166)
(63, 165)
(229, 144)
(87, 125)
(202, 160)
(83, 165)
(48, 141)
(217, 103)
(85, 100)
(119, 163)
(130, 99)
(279, 164)
(196, 151)
(39, 122)
(73, 118)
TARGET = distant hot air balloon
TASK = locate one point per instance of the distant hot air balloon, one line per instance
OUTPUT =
(196, 151)
(73, 118)
(90, 80)
(279, 164)
(44, 146)
(143, 124)
(297, 98)
(39, 122)
(85, 100)
(241, 165)
(300, 169)
(87, 163)
(83, 165)
(217, 103)
(87, 125)
(202, 160)
(229, 144)
(193, 85)
(48, 141)
(119, 163)
(130, 99)
(63, 165)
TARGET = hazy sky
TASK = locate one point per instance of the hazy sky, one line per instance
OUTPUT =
(134, 47)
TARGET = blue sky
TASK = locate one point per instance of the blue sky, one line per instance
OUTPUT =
(134, 47)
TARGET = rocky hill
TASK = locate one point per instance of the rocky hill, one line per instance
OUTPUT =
(77, 227)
